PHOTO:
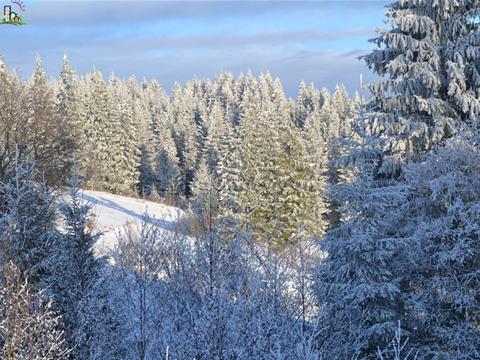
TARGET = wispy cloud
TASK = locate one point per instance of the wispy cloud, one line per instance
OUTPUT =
(315, 41)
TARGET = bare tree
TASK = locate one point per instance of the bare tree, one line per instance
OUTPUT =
(29, 328)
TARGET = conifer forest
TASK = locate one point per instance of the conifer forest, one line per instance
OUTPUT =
(332, 225)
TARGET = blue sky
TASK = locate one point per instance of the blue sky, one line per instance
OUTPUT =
(314, 41)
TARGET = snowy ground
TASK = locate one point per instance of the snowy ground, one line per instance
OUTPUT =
(113, 212)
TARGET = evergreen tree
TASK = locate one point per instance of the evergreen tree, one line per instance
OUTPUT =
(205, 196)
(417, 106)
(308, 102)
(214, 131)
(141, 117)
(366, 279)
(73, 266)
(299, 196)
(43, 132)
(27, 223)
(462, 55)
(98, 164)
(228, 174)
(146, 179)
(70, 117)
(167, 172)
(443, 290)
(185, 132)
(358, 286)
(13, 124)
(276, 193)
(342, 104)
(337, 113)
(316, 148)
(125, 143)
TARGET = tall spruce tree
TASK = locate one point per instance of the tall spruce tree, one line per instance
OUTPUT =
(27, 223)
(205, 196)
(228, 174)
(276, 195)
(98, 164)
(316, 145)
(70, 116)
(215, 129)
(185, 132)
(425, 97)
(146, 179)
(13, 124)
(443, 292)
(73, 267)
(168, 180)
(308, 102)
(368, 278)
(462, 54)
(358, 286)
(125, 145)
(43, 131)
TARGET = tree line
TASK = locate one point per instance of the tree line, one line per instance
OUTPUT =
(270, 158)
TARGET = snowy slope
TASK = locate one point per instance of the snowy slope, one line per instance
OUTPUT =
(113, 212)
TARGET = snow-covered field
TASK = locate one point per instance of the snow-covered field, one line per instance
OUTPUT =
(113, 212)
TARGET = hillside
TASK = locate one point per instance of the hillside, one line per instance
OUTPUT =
(111, 213)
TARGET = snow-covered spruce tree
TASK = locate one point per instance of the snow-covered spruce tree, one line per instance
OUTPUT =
(428, 60)
(205, 196)
(168, 179)
(316, 145)
(215, 129)
(158, 105)
(43, 132)
(277, 195)
(138, 102)
(27, 223)
(358, 286)
(228, 174)
(70, 116)
(29, 328)
(299, 196)
(259, 151)
(412, 111)
(308, 102)
(326, 130)
(102, 330)
(443, 294)
(462, 54)
(101, 143)
(125, 144)
(73, 266)
(342, 105)
(13, 125)
(185, 132)
(341, 129)
(146, 179)
(224, 93)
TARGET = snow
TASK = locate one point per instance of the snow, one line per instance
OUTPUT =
(112, 213)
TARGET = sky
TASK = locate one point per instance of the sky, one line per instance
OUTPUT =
(314, 41)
